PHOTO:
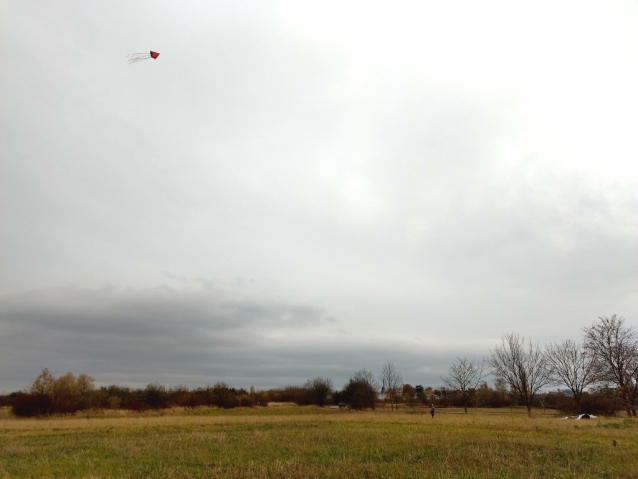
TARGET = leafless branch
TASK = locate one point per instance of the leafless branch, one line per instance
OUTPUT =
(464, 377)
(521, 365)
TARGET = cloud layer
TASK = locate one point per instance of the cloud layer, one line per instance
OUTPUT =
(293, 190)
(188, 336)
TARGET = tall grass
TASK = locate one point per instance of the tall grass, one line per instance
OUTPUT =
(313, 442)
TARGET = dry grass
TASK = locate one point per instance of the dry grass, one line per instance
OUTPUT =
(297, 442)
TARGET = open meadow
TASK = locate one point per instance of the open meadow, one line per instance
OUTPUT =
(306, 442)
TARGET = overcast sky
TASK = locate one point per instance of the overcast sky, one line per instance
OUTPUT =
(295, 189)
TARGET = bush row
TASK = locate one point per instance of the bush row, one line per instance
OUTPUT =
(68, 394)
(154, 396)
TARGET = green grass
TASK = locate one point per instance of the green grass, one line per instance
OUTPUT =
(328, 444)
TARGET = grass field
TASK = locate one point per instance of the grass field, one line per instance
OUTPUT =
(308, 442)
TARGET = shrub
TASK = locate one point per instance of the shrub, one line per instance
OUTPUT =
(68, 406)
(361, 390)
(30, 405)
(224, 396)
(7, 400)
(318, 391)
(602, 403)
(138, 406)
(297, 394)
(262, 399)
(155, 396)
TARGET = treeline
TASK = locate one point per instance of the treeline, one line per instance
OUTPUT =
(600, 374)
(600, 401)
(360, 392)
(69, 394)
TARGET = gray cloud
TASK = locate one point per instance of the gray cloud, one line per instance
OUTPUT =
(291, 191)
(174, 336)
(159, 311)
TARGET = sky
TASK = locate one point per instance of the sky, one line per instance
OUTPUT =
(301, 189)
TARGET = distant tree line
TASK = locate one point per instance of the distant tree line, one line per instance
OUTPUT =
(600, 374)
(69, 394)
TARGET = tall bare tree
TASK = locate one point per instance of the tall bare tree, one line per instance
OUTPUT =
(392, 381)
(464, 377)
(615, 349)
(521, 365)
(572, 365)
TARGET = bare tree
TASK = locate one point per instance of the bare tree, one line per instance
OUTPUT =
(542, 400)
(615, 350)
(572, 365)
(521, 365)
(392, 381)
(464, 377)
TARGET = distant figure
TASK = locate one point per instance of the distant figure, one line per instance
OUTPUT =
(432, 410)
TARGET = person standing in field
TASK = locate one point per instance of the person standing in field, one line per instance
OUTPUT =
(432, 410)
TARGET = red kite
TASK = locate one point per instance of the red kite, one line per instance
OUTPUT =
(138, 57)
